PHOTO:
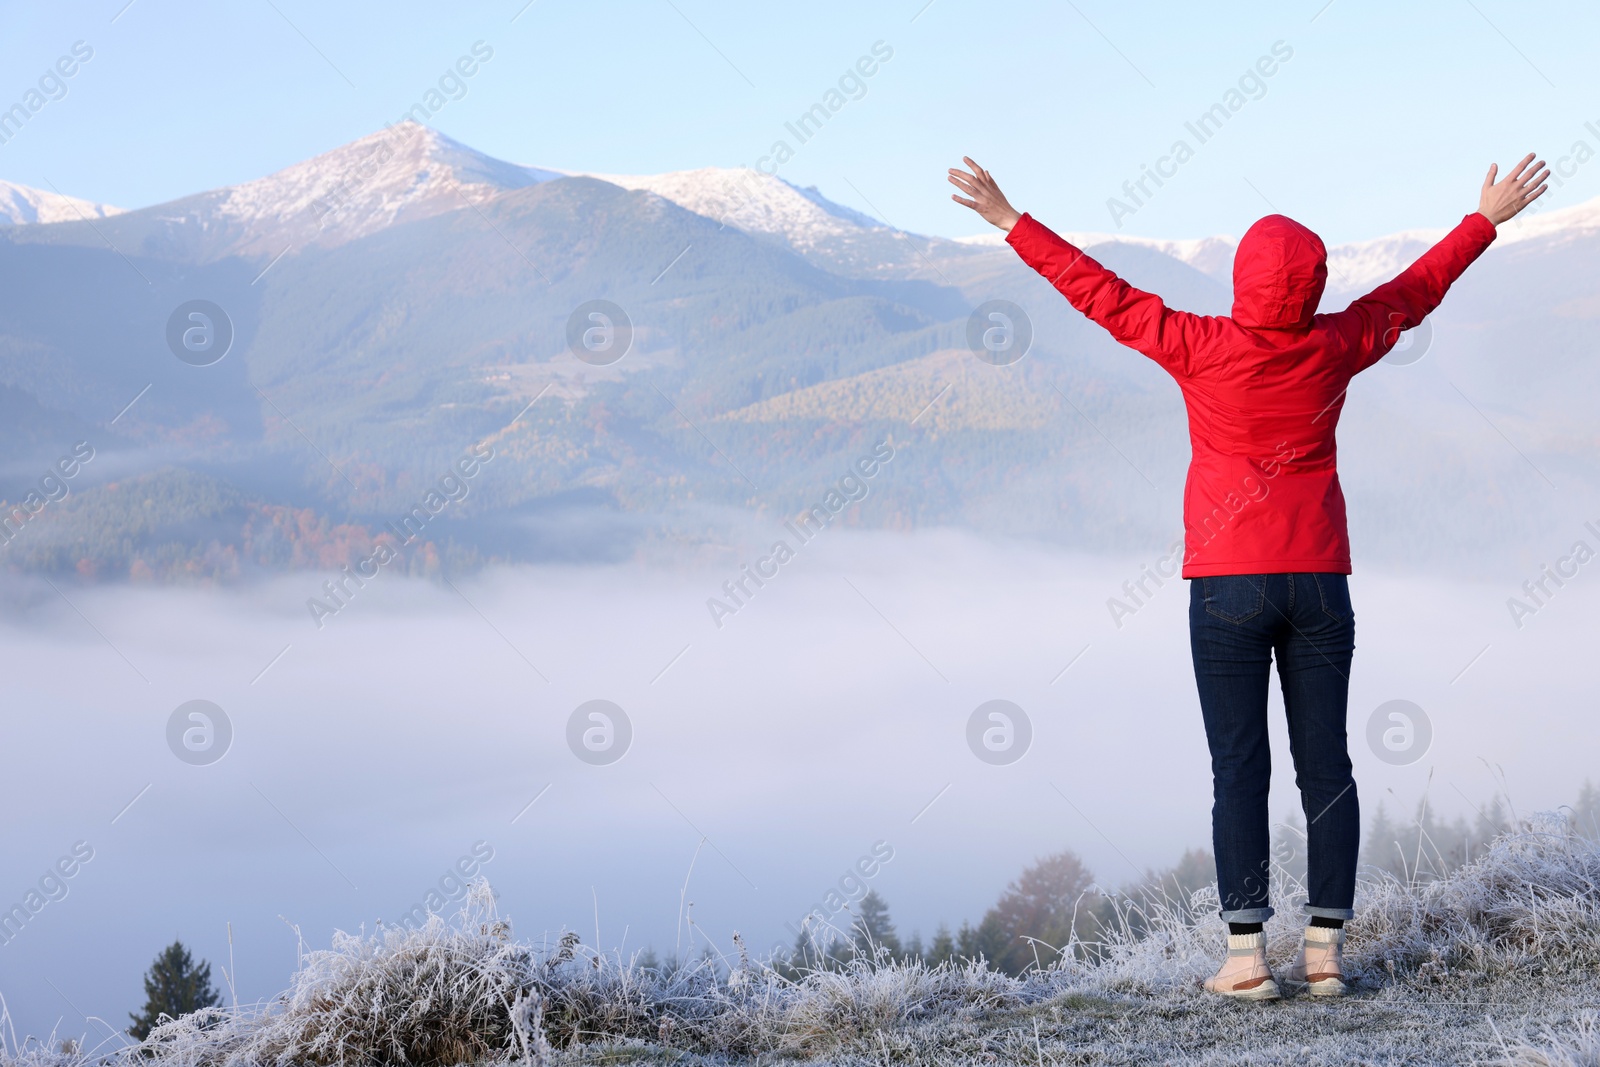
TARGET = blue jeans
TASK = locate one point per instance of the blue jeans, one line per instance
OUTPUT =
(1237, 624)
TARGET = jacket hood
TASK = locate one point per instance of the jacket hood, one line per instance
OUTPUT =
(1279, 272)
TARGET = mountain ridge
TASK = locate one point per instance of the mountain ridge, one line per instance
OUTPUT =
(409, 170)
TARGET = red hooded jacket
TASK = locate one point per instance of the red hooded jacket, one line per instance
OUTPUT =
(1263, 387)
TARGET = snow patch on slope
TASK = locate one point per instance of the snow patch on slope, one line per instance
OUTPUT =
(753, 201)
(24, 206)
(1209, 255)
(1356, 266)
(1567, 223)
(1364, 265)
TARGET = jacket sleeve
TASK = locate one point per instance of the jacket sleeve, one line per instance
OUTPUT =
(1374, 323)
(1135, 318)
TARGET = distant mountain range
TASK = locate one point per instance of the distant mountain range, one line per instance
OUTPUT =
(400, 299)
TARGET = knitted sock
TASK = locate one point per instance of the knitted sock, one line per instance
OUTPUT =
(1323, 920)
(1243, 941)
(1244, 928)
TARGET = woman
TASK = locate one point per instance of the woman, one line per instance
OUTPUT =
(1264, 529)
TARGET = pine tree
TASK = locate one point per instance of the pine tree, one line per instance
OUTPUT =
(809, 953)
(173, 986)
(1491, 822)
(1422, 857)
(873, 929)
(1382, 850)
(994, 940)
(914, 950)
(943, 948)
(967, 946)
(1586, 812)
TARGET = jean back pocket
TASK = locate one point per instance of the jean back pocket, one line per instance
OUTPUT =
(1235, 597)
(1334, 589)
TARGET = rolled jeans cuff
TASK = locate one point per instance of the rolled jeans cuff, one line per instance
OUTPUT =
(1247, 915)
(1327, 913)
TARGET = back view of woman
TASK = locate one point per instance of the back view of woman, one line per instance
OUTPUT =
(1264, 529)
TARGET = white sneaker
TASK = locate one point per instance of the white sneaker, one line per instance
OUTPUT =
(1244, 975)
(1319, 966)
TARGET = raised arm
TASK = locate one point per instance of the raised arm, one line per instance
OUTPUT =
(1136, 318)
(1375, 322)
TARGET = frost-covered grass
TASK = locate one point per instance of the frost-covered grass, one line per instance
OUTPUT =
(1528, 906)
(1495, 963)
(1576, 1046)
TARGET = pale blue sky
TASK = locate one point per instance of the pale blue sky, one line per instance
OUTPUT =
(1385, 117)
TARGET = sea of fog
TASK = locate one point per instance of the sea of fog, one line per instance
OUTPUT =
(825, 721)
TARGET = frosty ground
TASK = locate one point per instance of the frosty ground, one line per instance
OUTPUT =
(1495, 963)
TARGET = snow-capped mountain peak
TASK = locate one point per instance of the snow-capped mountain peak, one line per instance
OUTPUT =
(405, 171)
(753, 201)
(23, 206)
